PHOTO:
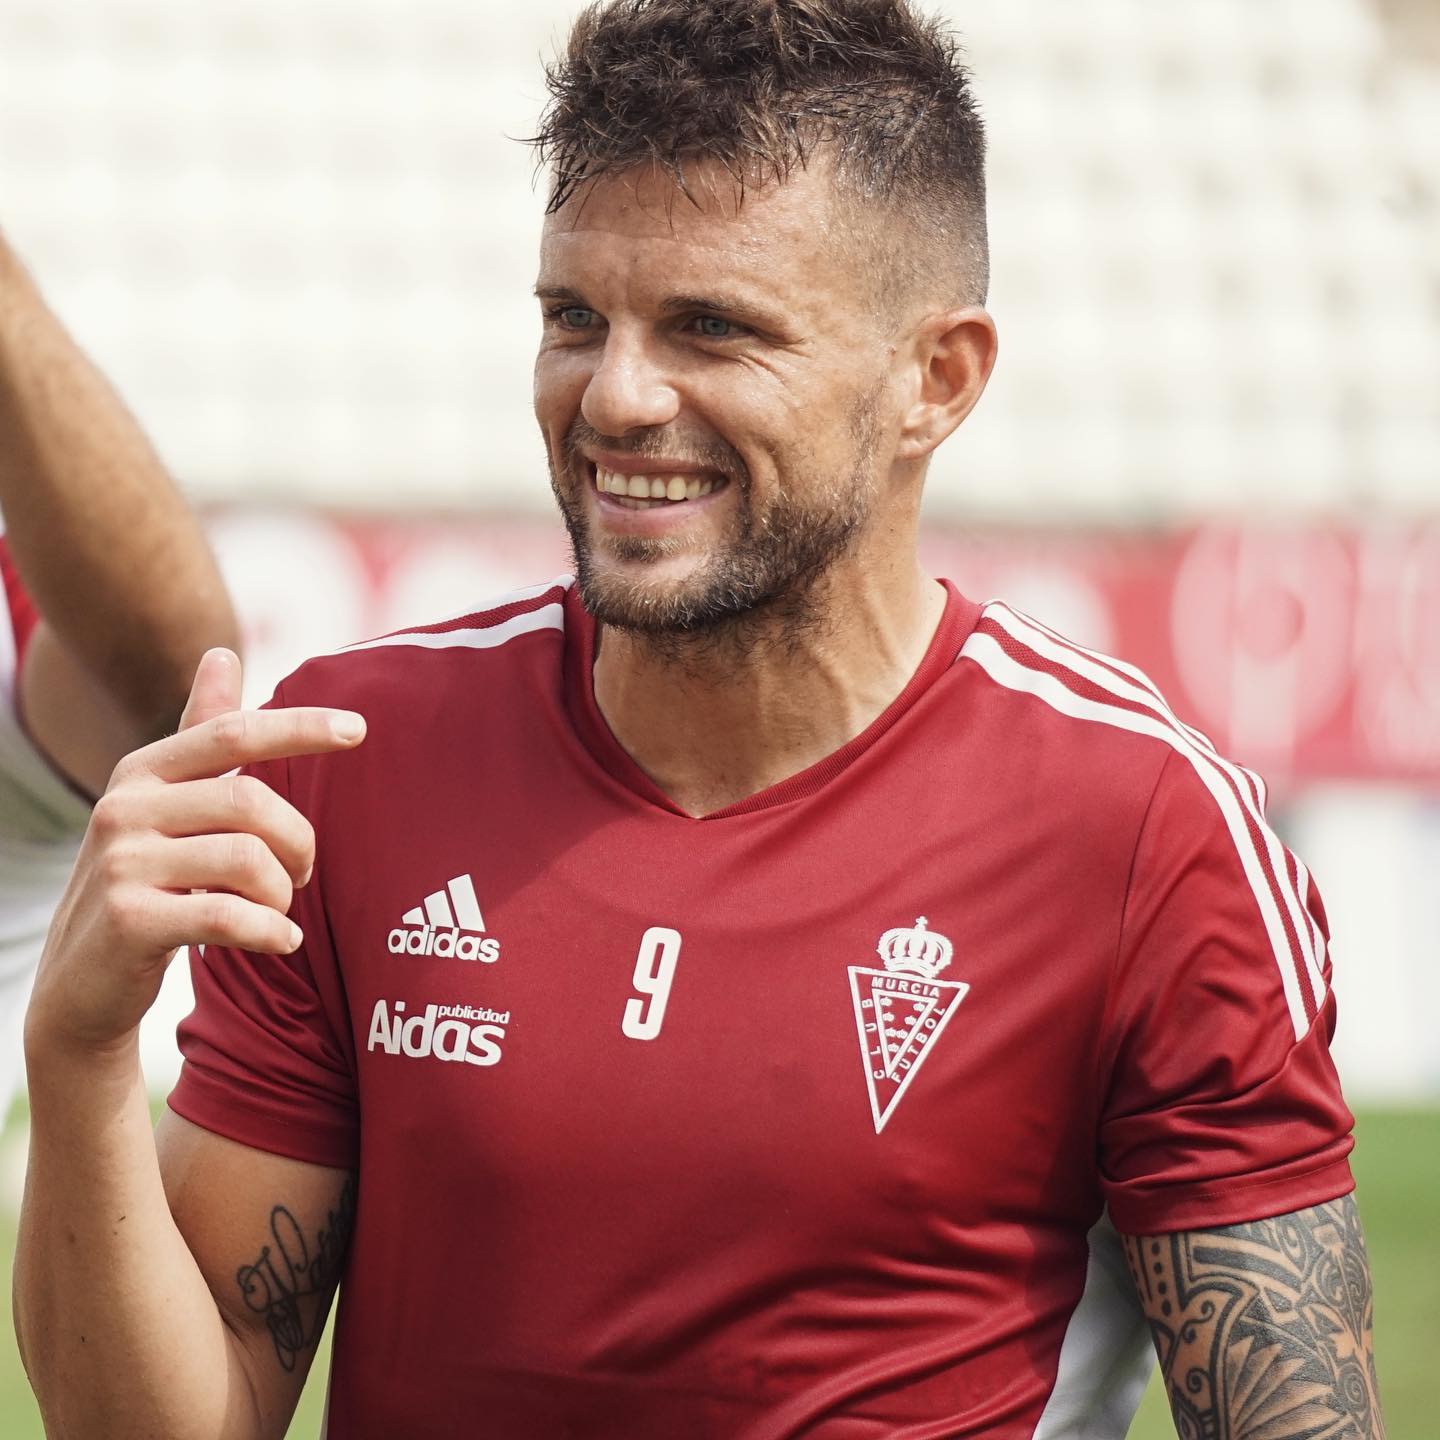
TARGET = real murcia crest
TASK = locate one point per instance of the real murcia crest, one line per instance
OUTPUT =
(901, 1010)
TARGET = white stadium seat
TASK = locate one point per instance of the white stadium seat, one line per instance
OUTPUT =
(297, 234)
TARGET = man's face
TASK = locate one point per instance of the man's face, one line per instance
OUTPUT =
(710, 384)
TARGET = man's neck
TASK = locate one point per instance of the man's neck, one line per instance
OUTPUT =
(715, 719)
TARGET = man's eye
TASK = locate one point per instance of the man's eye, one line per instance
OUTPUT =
(574, 317)
(712, 327)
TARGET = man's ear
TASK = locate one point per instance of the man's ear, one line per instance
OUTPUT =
(953, 353)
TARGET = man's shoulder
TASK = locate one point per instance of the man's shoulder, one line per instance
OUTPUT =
(500, 635)
(1082, 692)
(1093, 726)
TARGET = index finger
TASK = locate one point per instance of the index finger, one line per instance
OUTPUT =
(241, 737)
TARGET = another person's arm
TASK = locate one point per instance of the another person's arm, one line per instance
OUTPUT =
(124, 581)
(1264, 1331)
(165, 1293)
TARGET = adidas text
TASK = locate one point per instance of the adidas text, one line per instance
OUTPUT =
(441, 1032)
(426, 940)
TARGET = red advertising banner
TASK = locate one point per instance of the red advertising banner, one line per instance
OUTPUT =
(1303, 651)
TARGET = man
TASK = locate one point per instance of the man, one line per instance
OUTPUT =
(724, 995)
(110, 597)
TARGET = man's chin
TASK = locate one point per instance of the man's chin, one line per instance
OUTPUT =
(648, 604)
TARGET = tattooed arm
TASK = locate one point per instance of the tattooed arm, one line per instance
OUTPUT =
(290, 1282)
(182, 1299)
(1264, 1330)
(270, 1237)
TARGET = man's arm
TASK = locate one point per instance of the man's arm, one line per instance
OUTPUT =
(127, 589)
(270, 1236)
(175, 1292)
(1264, 1331)
(181, 1295)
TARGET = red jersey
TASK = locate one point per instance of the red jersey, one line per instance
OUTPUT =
(801, 1119)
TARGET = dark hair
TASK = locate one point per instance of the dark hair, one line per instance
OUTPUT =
(758, 85)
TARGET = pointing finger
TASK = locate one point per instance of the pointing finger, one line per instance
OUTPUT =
(241, 737)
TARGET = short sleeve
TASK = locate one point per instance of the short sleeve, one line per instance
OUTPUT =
(1222, 1103)
(268, 1054)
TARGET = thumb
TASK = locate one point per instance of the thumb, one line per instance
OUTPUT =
(215, 689)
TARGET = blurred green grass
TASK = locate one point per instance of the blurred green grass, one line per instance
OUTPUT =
(1397, 1168)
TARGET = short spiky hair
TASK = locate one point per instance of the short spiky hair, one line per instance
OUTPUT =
(758, 86)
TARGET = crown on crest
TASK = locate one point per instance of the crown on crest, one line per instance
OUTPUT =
(921, 951)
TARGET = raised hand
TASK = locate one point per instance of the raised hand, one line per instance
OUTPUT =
(180, 852)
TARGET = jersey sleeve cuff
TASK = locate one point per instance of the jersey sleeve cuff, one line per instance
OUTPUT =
(1162, 1210)
(216, 1105)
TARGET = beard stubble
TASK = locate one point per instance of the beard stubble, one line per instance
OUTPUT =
(760, 586)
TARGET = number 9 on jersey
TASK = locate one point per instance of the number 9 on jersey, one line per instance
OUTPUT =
(654, 972)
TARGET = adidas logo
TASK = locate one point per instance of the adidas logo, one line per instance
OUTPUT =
(449, 923)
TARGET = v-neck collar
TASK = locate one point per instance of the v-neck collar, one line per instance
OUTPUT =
(956, 623)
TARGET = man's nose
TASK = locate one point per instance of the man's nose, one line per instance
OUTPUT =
(628, 390)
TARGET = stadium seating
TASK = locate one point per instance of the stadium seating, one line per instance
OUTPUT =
(299, 236)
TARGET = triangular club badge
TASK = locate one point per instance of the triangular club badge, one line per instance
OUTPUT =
(901, 1010)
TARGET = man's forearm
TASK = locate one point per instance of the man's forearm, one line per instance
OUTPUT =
(1265, 1331)
(118, 1329)
(112, 554)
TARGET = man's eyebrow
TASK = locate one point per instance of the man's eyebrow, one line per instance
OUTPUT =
(556, 292)
(723, 305)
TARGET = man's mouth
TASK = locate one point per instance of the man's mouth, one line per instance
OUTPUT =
(645, 492)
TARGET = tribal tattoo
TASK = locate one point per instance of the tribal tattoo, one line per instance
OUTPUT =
(1264, 1331)
(290, 1286)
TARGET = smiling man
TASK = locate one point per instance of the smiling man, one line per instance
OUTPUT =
(738, 425)
(748, 991)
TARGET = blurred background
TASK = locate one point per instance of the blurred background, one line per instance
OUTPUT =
(300, 237)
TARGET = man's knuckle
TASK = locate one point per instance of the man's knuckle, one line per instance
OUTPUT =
(219, 913)
(247, 857)
(108, 818)
(259, 797)
(123, 908)
(244, 796)
(125, 769)
(115, 863)
(231, 729)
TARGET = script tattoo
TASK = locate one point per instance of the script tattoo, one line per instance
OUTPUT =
(290, 1286)
(1264, 1330)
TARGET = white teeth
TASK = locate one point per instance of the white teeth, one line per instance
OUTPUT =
(673, 488)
